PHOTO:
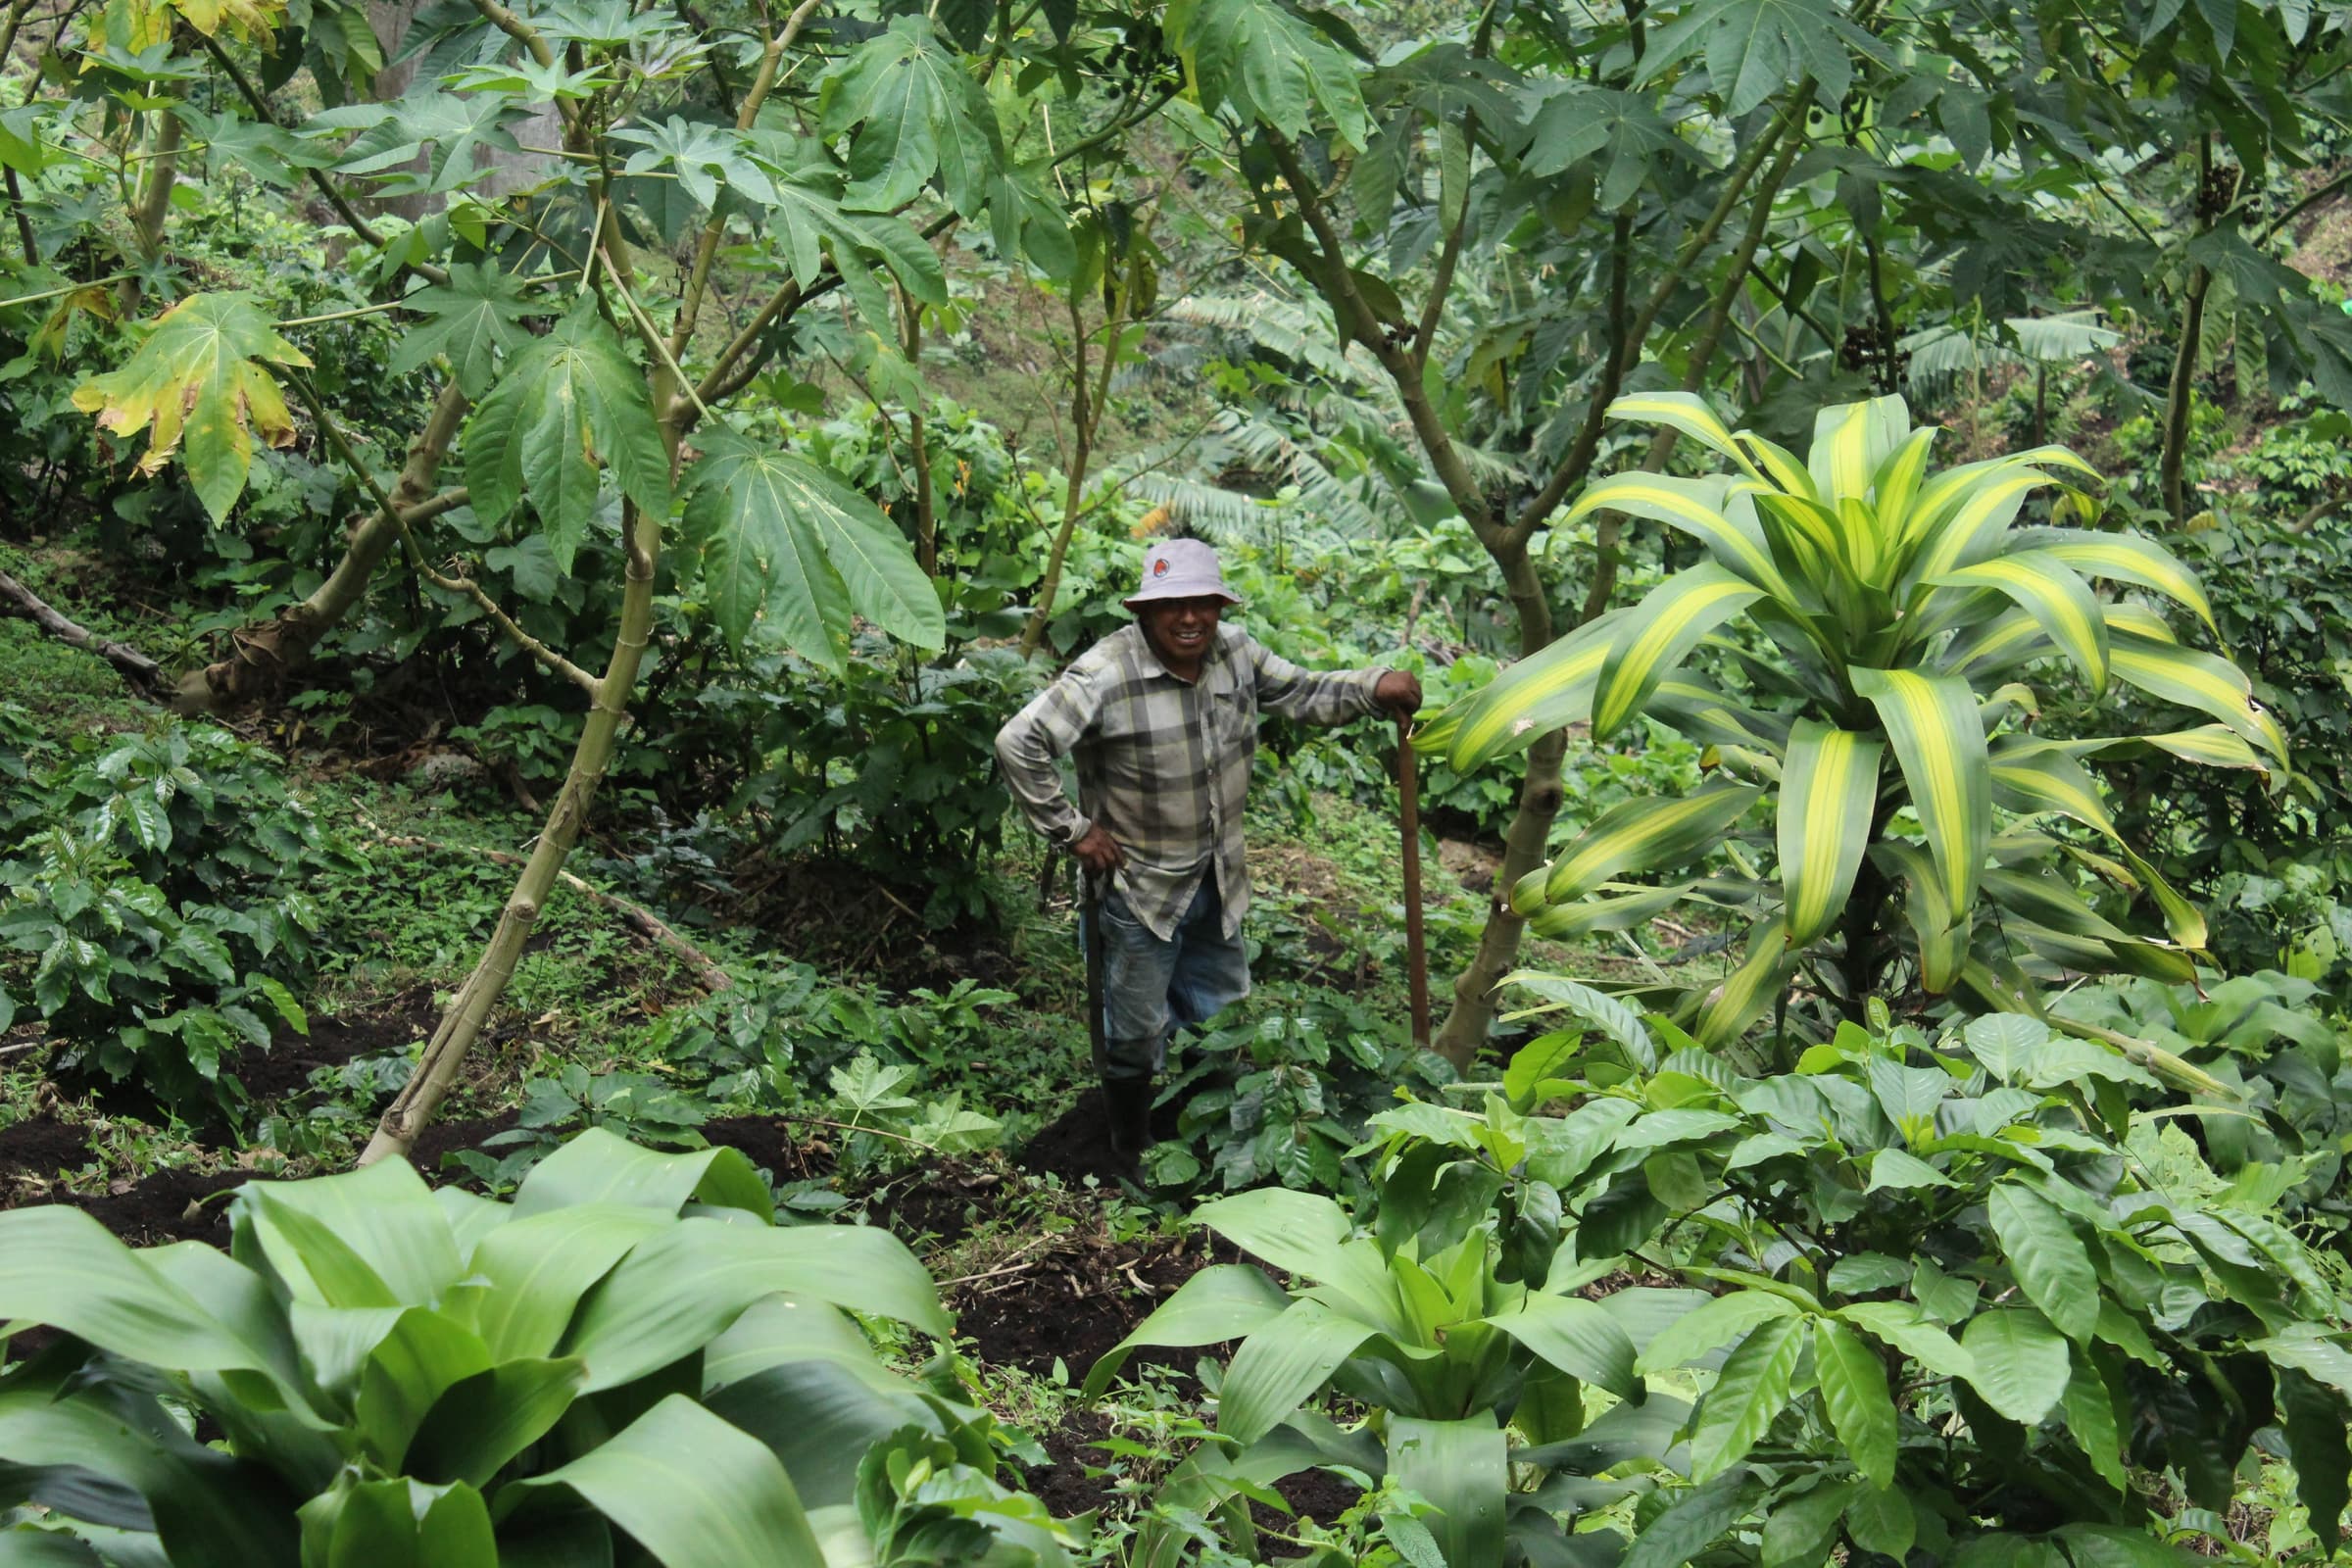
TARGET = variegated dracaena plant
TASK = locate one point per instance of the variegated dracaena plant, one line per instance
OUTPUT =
(1880, 759)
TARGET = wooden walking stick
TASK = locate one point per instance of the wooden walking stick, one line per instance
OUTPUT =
(1416, 950)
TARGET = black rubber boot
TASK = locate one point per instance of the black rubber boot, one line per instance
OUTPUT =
(1128, 1101)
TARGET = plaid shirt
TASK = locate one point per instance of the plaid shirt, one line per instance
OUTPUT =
(1163, 763)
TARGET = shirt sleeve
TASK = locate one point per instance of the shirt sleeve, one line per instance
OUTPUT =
(1055, 721)
(1311, 697)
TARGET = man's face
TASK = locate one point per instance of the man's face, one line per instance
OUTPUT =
(1181, 629)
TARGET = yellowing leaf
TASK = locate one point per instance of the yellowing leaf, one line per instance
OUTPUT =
(198, 382)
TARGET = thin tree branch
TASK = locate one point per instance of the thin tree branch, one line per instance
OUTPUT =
(143, 673)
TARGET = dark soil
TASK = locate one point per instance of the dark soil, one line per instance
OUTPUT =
(441, 1138)
(1063, 1484)
(1316, 1495)
(942, 1201)
(1074, 1305)
(285, 1068)
(169, 1205)
(41, 1145)
(1074, 1145)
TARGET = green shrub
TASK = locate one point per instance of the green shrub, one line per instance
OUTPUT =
(627, 1363)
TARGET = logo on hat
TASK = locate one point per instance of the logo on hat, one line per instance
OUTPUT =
(1160, 568)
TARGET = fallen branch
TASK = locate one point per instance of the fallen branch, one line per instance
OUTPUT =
(707, 971)
(143, 673)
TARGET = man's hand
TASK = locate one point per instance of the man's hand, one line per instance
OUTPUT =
(1399, 693)
(1097, 851)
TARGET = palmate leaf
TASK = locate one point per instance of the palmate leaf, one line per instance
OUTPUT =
(473, 320)
(569, 406)
(1757, 47)
(915, 113)
(1266, 64)
(789, 550)
(197, 384)
(1580, 121)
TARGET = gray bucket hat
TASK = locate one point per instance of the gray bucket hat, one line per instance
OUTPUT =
(1181, 569)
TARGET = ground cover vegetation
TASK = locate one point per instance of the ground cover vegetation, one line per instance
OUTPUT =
(527, 1033)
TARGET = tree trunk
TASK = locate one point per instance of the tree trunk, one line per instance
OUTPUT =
(263, 658)
(2181, 399)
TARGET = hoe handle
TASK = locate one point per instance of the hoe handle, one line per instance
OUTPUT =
(1408, 797)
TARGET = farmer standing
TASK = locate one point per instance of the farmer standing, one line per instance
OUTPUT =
(1162, 718)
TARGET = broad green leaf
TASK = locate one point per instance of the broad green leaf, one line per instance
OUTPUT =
(595, 1168)
(1710, 1327)
(1892, 1168)
(1279, 1367)
(674, 1293)
(1853, 1390)
(1622, 132)
(2090, 1419)
(1222, 1302)
(535, 1270)
(1305, 1234)
(1659, 633)
(1883, 1521)
(2054, 595)
(474, 318)
(1576, 1337)
(1599, 1008)
(1525, 701)
(2313, 1420)
(1829, 786)
(1755, 48)
(2201, 682)
(1903, 1326)
(568, 406)
(1750, 1390)
(2022, 1362)
(1696, 508)
(1693, 1522)
(1642, 834)
(1801, 1530)
(1938, 738)
(480, 1422)
(1463, 1467)
(791, 550)
(398, 1523)
(198, 387)
(67, 1271)
(691, 1490)
(1743, 995)
(381, 1216)
(1268, 65)
(915, 111)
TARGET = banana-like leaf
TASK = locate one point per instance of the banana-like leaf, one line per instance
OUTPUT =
(1827, 795)
(1533, 696)
(1642, 834)
(1659, 633)
(2125, 557)
(2201, 682)
(1687, 413)
(1748, 989)
(1224, 1301)
(1578, 1337)
(1938, 738)
(1306, 1233)
(373, 1236)
(1463, 1467)
(596, 1167)
(1279, 1368)
(1696, 507)
(66, 1270)
(2054, 595)
(690, 1488)
(536, 1270)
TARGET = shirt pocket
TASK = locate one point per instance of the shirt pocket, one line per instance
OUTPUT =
(1233, 719)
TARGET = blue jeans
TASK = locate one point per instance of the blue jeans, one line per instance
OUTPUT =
(1151, 988)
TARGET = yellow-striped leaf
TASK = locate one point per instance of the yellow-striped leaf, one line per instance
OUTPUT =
(2055, 596)
(2199, 680)
(1701, 712)
(1858, 526)
(1642, 834)
(1618, 913)
(1686, 412)
(2141, 620)
(2125, 557)
(1938, 738)
(2038, 776)
(2184, 921)
(2213, 745)
(1780, 466)
(1826, 794)
(1659, 633)
(2045, 901)
(1995, 646)
(1971, 530)
(1748, 990)
(1896, 484)
(1698, 507)
(1850, 442)
(1942, 944)
(1531, 698)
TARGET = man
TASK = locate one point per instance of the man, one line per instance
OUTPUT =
(1162, 718)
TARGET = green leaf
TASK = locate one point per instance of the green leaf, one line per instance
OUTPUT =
(1639, 834)
(1750, 1390)
(1755, 48)
(691, 1490)
(1743, 995)
(1883, 1522)
(789, 549)
(1279, 1367)
(2315, 1420)
(1463, 1467)
(66, 1271)
(1222, 1302)
(595, 1168)
(1306, 1232)
(1525, 701)
(2200, 681)
(2022, 1362)
(2055, 596)
(1267, 65)
(1659, 633)
(2052, 1265)
(1938, 738)
(1903, 1326)
(372, 1237)
(474, 318)
(1693, 1523)
(480, 1422)
(1829, 786)
(2090, 1420)
(1801, 1530)
(1709, 1327)
(1854, 1389)
(1578, 1337)
(1581, 120)
(916, 113)
(197, 384)
(398, 1523)
(570, 405)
